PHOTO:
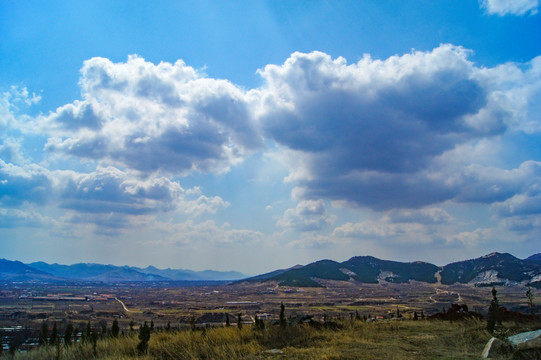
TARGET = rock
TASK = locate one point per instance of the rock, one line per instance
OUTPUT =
(495, 348)
(274, 352)
(527, 340)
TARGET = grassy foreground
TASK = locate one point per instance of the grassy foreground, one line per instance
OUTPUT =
(355, 340)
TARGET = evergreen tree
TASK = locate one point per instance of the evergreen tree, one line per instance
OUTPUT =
(12, 348)
(1, 347)
(68, 334)
(239, 321)
(88, 332)
(115, 329)
(54, 335)
(529, 296)
(259, 323)
(192, 323)
(357, 315)
(168, 328)
(493, 312)
(94, 338)
(44, 334)
(144, 337)
(151, 325)
(415, 316)
(283, 321)
(227, 320)
(131, 325)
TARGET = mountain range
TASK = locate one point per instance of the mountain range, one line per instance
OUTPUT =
(41, 271)
(491, 269)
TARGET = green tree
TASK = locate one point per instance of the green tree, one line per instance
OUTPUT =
(88, 332)
(529, 297)
(94, 338)
(192, 323)
(68, 334)
(227, 320)
(144, 337)
(54, 335)
(239, 321)
(115, 329)
(415, 316)
(283, 321)
(44, 334)
(493, 312)
(168, 328)
(151, 325)
(131, 325)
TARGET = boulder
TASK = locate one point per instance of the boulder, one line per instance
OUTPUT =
(526, 340)
(495, 348)
(526, 345)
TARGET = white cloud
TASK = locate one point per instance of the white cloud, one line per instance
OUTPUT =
(308, 215)
(12, 103)
(12, 218)
(150, 118)
(192, 234)
(394, 133)
(511, 7)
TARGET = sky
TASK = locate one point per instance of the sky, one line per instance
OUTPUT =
(256, 135)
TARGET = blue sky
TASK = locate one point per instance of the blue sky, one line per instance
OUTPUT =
(255, 135)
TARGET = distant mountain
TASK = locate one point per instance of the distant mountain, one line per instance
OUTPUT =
(112, 273)
(190, 275)
(269, 275)
(366, 269)
(534, 258)
(17, 271)
(492, 269)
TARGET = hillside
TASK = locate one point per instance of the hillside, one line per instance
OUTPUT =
(365, 269)
(494, 268)
(490, 269)
(17, 271)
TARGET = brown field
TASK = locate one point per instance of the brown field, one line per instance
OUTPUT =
(23, 307)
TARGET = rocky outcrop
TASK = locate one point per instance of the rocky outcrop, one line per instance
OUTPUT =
(519, 346)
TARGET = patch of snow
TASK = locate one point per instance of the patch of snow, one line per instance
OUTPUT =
(348, 272)
(486, 277)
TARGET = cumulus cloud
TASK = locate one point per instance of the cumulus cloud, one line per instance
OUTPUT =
(12, 218)
(510, 7)
(388, 133)
(12, 102)
(146, 117)
(190, 233)
(106, 197)
(308, 215)
(19, 184)
(112, 191)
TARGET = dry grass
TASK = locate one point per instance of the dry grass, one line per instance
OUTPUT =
(356, 339)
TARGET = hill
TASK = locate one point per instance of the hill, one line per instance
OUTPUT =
(491, 269)
(366, 269)
(17, 271)
(494, 268)
(534, 258)
(41, 271)
(190, 275)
